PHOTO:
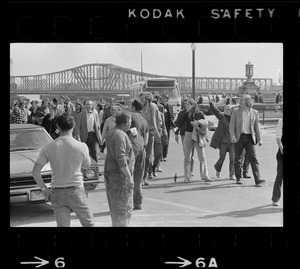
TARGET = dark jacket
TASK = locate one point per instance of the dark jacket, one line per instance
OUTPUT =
(169, 116)
(179, 117)
(222, 130)
(81, 127)
(185, 120)
(106, 113)
(50, 126)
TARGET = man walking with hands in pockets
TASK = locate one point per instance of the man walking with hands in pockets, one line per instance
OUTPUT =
(87, 129)
(118, 171)
(245, 133)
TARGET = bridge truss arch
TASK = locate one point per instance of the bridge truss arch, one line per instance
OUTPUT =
(109, 77)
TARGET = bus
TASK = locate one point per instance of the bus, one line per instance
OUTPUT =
(167, 86)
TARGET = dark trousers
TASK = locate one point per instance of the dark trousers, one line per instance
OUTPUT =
(278, 180)
(224, 148)
(93, 145)
(166, 145)
(157, 154)
(246, 142)
(138, 173)
(245, 163)
(153, 148)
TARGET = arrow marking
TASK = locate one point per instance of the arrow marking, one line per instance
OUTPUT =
(40, 263)
(183, 263)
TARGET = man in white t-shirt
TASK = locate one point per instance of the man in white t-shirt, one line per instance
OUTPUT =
(66, 156)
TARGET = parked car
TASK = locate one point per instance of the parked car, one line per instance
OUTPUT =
(212, 122)
(220, 105)
(26, 140)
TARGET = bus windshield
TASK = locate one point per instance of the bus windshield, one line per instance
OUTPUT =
(163, 86)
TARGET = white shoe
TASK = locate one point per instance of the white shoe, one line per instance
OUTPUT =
(275, 203)
(218, 174)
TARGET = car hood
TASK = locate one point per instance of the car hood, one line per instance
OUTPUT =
(22, 162)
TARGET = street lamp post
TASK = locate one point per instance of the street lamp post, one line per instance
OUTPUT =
(249, 70)
(193, 47)
(249, 86)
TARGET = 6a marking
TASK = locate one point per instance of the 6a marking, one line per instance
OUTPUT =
(200, 262)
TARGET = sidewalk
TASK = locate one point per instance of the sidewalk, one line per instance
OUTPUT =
(269, 120)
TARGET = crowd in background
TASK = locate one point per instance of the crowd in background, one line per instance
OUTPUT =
(44, 112)
(147, 121)
(231, 98)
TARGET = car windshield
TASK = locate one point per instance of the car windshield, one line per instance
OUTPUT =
(28, 139)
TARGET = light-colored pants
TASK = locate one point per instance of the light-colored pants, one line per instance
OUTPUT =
(189, 144)
(192, 155)
(120, 199)
(64, 200)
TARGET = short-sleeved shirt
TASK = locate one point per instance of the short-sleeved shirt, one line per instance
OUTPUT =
(66, 156)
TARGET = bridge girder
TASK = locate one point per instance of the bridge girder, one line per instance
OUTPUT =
(109, 77)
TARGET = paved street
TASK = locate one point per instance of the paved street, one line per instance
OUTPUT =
(221, 203)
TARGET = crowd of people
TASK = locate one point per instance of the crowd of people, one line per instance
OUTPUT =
(136, 140)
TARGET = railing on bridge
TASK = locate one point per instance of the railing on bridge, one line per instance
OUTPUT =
(109, 77)
(220, 85)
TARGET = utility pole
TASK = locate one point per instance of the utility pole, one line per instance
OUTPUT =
(142, 64)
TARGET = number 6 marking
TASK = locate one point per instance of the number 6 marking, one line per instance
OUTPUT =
(59, 262)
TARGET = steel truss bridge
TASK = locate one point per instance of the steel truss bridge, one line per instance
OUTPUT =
(98, 78)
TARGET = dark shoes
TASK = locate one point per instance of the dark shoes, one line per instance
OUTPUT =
(154, 171)
(145, 182)
(239, 181)
(137, 207)
(246, 176)
(259, 183)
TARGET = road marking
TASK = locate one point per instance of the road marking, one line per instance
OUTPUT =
(179, 205)
(157, 215)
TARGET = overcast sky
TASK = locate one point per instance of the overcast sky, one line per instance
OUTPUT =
(170, 59)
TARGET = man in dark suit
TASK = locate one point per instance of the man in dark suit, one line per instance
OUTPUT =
(87, 129)
(245, 133)
(169, 118)
(107, 111)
